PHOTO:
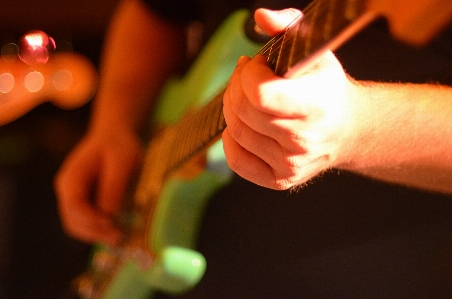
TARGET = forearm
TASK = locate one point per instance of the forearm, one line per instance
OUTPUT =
(141, 51)
(406, 136)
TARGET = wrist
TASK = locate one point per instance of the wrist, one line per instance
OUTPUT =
(117, 113)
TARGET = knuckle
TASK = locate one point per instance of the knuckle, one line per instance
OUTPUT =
(265, 97)
(298, 141)
(289, 171)
(283, 184)
(238, 102)
(233, 163)
(235, 130)
(293, 165)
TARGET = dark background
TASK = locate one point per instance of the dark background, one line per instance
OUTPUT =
(343, 237)
(37, 260)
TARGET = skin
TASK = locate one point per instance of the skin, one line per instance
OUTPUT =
(357, 133)
(92, 180)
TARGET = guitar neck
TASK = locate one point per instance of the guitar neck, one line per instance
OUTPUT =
(325, 25)
(196, 131)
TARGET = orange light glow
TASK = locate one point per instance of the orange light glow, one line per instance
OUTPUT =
(6, 82)
(62, 80)
(34, 81)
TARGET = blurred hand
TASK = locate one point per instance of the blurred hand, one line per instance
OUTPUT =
(92, 181)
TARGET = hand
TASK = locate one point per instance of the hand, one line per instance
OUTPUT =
(282, 132)
(91, 183)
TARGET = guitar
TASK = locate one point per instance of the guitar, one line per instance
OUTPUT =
(68, 80)
(166, 208)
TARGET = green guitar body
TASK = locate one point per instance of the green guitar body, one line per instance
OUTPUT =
(177, 267)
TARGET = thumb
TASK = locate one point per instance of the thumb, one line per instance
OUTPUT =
(118, 168)
(274, 21)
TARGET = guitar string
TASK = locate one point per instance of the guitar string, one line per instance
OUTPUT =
(193, 134)
(322, 15)
(309, 14)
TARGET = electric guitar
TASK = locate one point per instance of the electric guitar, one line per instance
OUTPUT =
(167, 208)
(68, 80)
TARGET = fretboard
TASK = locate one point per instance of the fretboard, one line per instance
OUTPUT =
(325, 25)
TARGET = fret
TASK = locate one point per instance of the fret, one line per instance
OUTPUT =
(311, 19)
(206, 117)
(222, 121)
(352, 9)
(185, 136)
(294, 47)
(200, 131)
(328, 28)
(187, 132)
(270, 52)
(217, 112)
(195, 131)
(287, 45)
(178, 146)
(325, 24)
(209, 119)
(280, 53)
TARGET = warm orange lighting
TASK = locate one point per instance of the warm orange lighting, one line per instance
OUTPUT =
(62, 80)
(6, 82)
(34, 81)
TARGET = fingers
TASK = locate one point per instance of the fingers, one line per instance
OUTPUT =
(274, 21)
(246, 164)
(253, 81)
(259, 100)
(274, 174)
(80, 218)
(281, 97)
(255, 126)
(117, 170)
(253, 155)
(248, 138)
(265, 91)
(281, 132)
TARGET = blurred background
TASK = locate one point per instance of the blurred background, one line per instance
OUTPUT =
(404, 238)
(36, 259)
